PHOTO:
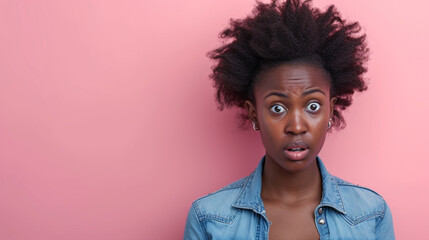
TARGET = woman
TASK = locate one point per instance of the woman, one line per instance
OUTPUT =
(293, 69)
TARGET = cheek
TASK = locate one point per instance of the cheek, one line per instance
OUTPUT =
(319, 124)
(319, 130)
(317, 120)
(272, 142)
(272, 131)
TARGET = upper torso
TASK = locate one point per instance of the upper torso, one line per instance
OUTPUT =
(237, 211)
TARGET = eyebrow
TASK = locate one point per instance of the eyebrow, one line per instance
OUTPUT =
(279, 94)
(313, 91)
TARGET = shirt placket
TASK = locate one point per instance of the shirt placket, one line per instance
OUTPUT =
(321, 223)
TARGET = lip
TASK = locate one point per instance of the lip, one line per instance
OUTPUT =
(296, 155)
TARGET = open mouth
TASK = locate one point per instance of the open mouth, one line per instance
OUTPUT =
(296, 151)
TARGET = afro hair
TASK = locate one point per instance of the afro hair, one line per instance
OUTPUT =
(280, 32)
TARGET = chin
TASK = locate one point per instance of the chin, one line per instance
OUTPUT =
(297, 165)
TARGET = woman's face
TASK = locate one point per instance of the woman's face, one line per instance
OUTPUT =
(292, 109)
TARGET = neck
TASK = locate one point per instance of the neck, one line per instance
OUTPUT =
(291, 187)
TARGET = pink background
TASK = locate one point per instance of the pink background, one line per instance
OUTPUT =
(109, 129)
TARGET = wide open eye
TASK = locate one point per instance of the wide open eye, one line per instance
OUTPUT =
(313, 107)
(278, 109)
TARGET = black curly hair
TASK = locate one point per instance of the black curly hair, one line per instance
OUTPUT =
(283, 32)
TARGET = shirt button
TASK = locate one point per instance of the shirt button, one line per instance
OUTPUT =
(320, 210)
(321, 221)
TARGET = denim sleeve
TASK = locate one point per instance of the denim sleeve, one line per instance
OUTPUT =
(384, 229)
(193, 229)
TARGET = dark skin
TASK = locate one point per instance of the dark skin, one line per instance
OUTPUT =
(292, 104)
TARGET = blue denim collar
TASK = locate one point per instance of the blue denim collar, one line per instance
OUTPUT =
(250, 196)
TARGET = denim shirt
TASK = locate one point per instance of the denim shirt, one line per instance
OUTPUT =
(346, 211)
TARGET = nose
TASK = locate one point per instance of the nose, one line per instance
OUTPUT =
(296, 124)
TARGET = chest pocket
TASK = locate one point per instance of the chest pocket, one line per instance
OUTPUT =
(345, 227)
(245, 225)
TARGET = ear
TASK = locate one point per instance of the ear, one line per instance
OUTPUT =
(332, 104)
(251, 111)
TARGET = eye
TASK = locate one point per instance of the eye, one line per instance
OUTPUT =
(278, 109)
(313, 107)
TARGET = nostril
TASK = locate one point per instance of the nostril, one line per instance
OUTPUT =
(296, 132)
(296, 129)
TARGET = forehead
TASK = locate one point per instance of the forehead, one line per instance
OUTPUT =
(292, 77)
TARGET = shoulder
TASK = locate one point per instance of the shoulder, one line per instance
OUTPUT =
(360, 202)
(219, 204)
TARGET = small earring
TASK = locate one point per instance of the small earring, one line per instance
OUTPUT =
(255, 127)
(329, 123)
